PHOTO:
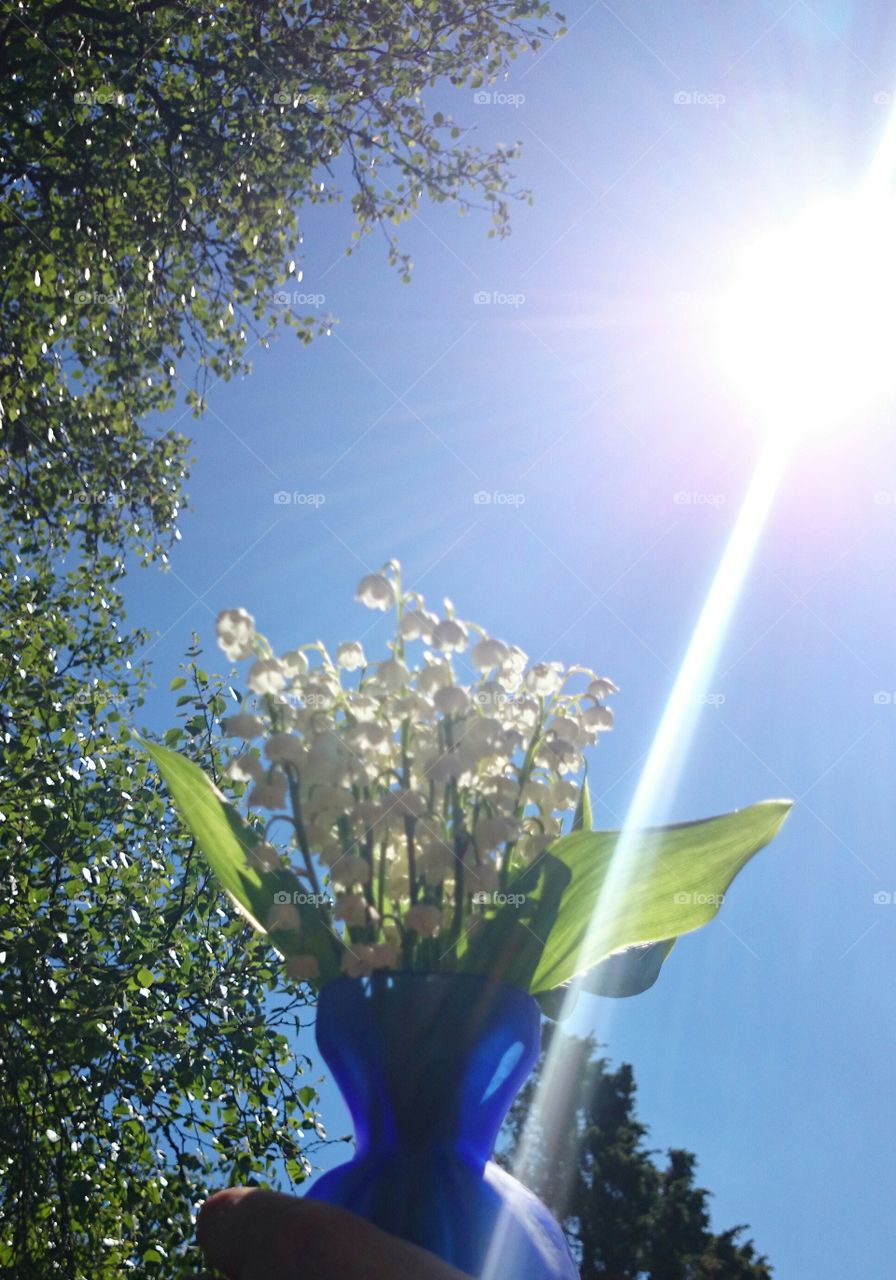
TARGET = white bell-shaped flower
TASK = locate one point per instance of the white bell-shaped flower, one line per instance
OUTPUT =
(242, 726)
(350, 656)
(417, 624)
(235, 630)
(451, 700)
(487, 654)
(286, 748)
(366, 815)
(294, 663)
(245, 768)
(449, 635)
(566, 727)
(391, 675)
(351, 908)
(376, 592)
(434, 676)
(270, 794)
(424, 919)
(598, 718)
(544, 679)
(350, 870)
(266, 676)
(601, 688)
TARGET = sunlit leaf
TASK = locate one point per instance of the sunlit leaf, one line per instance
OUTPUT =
(226, 842)
(674, 882)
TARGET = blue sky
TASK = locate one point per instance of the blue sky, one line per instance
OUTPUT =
(582, 399)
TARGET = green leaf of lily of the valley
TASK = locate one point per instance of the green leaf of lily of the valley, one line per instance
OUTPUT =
(628, 972)
(510, 943)
(226, 841)
(583, 819)
(673, 882)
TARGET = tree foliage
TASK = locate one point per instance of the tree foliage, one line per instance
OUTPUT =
(145, 1056)
(156, 157)
(626, 1215)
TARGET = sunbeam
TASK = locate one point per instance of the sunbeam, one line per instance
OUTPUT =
(806, 334)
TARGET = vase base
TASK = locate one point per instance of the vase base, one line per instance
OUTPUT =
(486, 1224)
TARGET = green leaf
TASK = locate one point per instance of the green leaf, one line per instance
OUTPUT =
(624, 973)
(628, 972)
(145, 977)
(583, 819)
(510, 944)
(673, 883)
(178, 682)
(226, 842)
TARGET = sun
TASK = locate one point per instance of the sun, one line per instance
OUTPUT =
(807, 330)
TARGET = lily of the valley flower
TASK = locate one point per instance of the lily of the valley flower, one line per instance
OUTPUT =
(438, 770)
(235, 630)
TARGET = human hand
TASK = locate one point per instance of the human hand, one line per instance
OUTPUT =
(252, 1234)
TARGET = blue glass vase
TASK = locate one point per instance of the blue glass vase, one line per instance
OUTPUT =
(429, 1065)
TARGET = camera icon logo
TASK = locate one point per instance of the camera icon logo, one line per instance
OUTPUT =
(281, 897)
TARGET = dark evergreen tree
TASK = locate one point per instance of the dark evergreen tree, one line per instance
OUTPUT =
(627, 1214)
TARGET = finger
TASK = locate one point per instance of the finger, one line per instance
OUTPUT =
(251, 1234)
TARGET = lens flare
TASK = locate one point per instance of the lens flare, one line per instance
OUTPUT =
(807, 332)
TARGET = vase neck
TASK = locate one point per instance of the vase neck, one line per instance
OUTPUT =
(428, 1060)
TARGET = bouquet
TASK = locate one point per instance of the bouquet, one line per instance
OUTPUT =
(429, 811)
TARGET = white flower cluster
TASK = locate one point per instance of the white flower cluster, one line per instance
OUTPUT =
(416, 784)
